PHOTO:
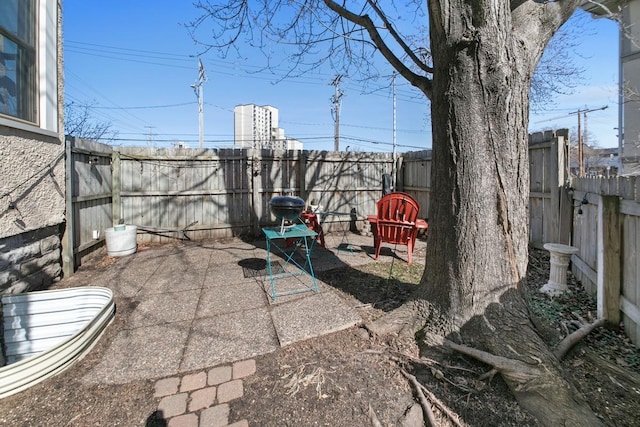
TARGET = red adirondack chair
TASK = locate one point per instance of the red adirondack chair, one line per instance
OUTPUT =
(396, 222)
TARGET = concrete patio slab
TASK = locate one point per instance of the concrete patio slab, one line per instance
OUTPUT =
(313, 316)
(231, 337)
(198, 305)
(225, 274)
(234, 252)
(170, 307)
(125, 277)
(170, 277)
(192, 257)
(142, 353)
(145, 254)
(218, 300)
(324, 260)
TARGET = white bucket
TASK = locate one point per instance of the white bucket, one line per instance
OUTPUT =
(121, 242)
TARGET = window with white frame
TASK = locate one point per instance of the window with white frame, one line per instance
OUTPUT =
(18, 82)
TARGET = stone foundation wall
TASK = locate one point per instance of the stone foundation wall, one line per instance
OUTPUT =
(31, 260)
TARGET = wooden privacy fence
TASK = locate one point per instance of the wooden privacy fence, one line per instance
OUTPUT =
(204, 193)
(606, 230)
(218, 193)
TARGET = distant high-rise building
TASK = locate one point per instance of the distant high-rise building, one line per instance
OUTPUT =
(257, 127)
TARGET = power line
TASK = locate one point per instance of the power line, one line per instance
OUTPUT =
(250, 71)
(145, 107)
(243, 70)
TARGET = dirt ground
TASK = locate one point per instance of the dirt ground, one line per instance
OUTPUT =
(348, 378)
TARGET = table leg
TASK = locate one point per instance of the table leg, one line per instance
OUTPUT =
(270, 271)
(307, 251)
(307, 268)
(345, 245)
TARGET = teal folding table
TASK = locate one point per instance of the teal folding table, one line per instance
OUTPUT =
(277, 238)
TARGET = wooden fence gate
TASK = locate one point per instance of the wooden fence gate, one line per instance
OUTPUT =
(89, 198)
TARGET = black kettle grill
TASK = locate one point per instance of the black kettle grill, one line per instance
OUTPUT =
(286, 208)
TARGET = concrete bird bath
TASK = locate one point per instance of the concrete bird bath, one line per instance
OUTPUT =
(559, 262)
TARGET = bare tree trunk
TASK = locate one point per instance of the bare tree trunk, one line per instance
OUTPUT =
(478, 234)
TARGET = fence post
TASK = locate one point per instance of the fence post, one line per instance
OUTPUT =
(565, 208)
(555, 182)
(400, 176)
(255, 167)
(302, 175)
(116, 199)
(609, 259)
(68, 240)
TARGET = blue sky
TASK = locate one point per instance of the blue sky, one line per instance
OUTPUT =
(135, 63)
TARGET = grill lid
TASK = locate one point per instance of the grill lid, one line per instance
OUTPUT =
(286, 207)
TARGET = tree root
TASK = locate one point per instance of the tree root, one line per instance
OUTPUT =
(531, 371)
(515, 369)
(489, 375)
(571, 339)
(455, 418)
(426, 407)
(431, 398)
(405, 320)
(538, 385)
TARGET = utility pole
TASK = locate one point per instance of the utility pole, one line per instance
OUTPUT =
(580, 138)
(394, 171)
(197, 88)
(150, 135)
(335, 110)
(580, 150)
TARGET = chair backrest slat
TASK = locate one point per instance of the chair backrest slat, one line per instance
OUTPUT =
(398, 207)
(396, 221)
(397, 214)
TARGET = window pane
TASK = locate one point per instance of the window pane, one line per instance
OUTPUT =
(18, 95)
(17, 19)
(17, 81)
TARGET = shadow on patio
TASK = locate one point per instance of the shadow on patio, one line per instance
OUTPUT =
(190, 305)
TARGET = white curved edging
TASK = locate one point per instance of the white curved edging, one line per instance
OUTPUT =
(45, 332)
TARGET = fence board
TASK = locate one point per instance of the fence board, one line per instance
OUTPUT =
(416, 178)
(630, 243)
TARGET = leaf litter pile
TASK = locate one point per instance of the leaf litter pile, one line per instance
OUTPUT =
(349, 378)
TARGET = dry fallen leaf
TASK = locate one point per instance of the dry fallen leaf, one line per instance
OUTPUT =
(437, 373)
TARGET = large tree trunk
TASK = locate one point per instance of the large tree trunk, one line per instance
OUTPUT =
(478, 233)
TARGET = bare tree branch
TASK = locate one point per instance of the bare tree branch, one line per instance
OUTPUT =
(79, 122)
(365, 21)
(409, 52)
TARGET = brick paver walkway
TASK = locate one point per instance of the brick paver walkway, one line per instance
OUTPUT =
(201, 399)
